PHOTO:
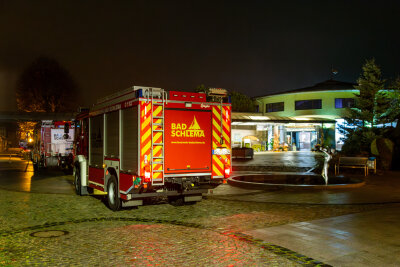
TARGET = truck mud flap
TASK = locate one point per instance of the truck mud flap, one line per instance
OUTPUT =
(132, 203)
(84, 191)
(192, 198)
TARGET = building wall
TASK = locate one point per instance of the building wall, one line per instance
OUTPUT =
(327, 111)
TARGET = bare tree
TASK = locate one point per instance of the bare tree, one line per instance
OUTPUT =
(45, 86)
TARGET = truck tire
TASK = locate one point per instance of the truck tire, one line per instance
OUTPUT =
(78, 183)
(176, 201)
(187, 203)
(179, 201)
(113, 200)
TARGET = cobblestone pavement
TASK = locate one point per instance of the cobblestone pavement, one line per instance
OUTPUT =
(39, 229)
(204, 234)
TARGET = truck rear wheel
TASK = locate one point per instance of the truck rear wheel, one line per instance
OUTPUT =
(113, 200)
(78, 183)
(180, 201)
(176, 200)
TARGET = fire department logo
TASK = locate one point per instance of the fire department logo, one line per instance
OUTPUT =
(181, 129)
(195, 125)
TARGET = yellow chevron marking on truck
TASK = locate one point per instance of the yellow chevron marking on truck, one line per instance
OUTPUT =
(216, 125)
(217, 171)
(146, 135)
(146, 148)
(218, 161)
(216, 111)
(146, 123)
(157, 110)
(226, 137)
(145, 109)
(217, 137)
(158, 135)
(156, 150)
(226, 126)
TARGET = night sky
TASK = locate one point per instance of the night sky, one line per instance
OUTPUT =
(254, 47)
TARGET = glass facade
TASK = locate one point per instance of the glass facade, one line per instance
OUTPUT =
(278, 136)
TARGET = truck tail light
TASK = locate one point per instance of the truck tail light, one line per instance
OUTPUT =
(147, 175)
(227, 171)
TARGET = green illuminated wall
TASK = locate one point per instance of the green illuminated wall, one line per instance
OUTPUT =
(328, 110)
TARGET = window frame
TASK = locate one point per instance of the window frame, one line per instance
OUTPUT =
(315, 104)
(275, 107)
(342, 101)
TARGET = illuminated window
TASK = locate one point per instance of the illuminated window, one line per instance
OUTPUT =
(344, 102)
(308, 104)
(274, 107)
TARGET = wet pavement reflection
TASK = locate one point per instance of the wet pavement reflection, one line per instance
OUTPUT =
(229, 227)
(17, 174)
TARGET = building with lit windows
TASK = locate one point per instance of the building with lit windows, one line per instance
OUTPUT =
(295, 120)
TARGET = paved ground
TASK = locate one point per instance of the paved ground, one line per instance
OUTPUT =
(230, 227)
(17, 175)
(362, 239)
(379, 189)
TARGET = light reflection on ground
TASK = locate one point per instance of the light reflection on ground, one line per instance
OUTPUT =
(18, 174)
(26, 184)
(154, 245)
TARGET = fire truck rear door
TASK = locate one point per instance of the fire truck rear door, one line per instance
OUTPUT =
(187, 141)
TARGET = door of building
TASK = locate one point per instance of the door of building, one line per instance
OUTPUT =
(305, 141)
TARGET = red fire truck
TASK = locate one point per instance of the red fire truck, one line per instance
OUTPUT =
(146, 142)
(52, 145)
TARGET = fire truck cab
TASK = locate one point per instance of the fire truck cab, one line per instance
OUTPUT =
(146, 142)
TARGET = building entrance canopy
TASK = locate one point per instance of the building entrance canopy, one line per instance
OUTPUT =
(251, 118)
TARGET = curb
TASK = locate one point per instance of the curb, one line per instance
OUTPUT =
(269, 186)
